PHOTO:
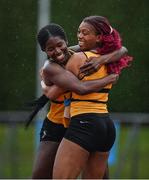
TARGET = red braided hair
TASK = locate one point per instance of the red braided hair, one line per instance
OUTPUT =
(110, 41)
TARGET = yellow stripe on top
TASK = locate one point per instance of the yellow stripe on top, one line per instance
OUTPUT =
(56, 113)
(93, 102)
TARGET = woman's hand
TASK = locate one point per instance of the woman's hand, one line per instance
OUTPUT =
(92, 65)
(114, 78)
(45, 88)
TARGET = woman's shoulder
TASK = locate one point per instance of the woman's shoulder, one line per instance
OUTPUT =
(78, 57)
(75, 62)
(50, 67)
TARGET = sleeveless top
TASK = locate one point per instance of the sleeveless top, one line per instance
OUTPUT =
(57, 107)
(94, 102)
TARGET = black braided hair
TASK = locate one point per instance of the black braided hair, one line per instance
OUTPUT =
(49, 31)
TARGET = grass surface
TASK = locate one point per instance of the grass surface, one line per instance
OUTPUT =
(17, 153)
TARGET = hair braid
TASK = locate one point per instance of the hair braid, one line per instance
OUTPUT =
(110, 41)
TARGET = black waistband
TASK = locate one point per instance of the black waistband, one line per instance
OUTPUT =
(88, 100)
(92, 114)
(57, 102)
(105, 90)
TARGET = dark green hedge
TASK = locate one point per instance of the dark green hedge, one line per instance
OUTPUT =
(18, 47)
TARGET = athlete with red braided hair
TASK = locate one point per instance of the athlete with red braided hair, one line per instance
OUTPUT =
(110, 41)
(91, 133)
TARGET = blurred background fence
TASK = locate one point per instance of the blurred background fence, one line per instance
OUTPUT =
(130, 158)
(18, 74)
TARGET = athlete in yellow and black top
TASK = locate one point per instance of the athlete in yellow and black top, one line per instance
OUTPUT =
(94, 102)
(81, 59)
(91, 109)
(91, 132)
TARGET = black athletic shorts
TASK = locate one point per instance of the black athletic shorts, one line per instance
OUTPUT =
(92, 131)
(51, 131)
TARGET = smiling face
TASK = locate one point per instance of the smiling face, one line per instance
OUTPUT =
(87, 36)
(56, 48)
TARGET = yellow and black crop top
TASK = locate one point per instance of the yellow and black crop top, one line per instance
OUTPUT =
(56, 113)
(93, 102)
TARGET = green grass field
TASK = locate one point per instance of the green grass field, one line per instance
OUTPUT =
(132, 161)
(17, 151)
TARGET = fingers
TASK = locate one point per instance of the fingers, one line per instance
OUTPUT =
(85, 73)
(86, 67)
(88, 72)
(91, 59)
(116, 77)
(91, 65)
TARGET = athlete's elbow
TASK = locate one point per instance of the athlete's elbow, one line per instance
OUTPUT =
(49, 95)
(81, 90)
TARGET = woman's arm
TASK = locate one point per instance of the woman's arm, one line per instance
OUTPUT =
(52, 92)
(94, 63)
(66, 80)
